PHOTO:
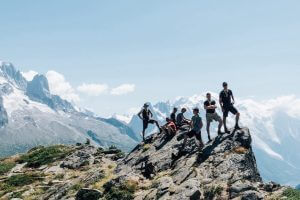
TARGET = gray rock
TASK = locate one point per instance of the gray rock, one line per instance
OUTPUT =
(88, 194)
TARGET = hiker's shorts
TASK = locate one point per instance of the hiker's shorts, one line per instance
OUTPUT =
(147, 122)
(228, 109)
(210, 117)
(193, 133)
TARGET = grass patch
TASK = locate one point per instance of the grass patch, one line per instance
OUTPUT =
(291, 194)
(76, 187)
(125, 191)
(45, 155)
(240, 150)
(22, 180)
(17, 181)
(6, 167)
(146, 147)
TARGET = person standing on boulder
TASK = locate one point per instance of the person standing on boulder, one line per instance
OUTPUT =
(145, 114)
(196, 126)
(173, 115)
(226, 103)
(211, 115)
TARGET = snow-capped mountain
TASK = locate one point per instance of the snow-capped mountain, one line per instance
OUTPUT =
(30, 115)
(274, 124)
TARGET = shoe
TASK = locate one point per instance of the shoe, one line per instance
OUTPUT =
(237, 127)
(220, 133)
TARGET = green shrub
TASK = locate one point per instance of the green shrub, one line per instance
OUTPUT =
(6, 167)
(44, 156)
(291, 194)
(22, 180)
(121, 192)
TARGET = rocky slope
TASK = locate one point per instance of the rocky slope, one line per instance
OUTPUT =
(31, 115)
(225, 169)
(275, 129)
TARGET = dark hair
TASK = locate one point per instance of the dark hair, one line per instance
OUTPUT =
(225, 84)
(208, 93)
(196, 109)
(168, 119)
(183, 109)
(175, 108)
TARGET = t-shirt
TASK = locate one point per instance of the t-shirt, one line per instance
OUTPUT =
(172, 125)
(173, 117)
(225, 97)
(197, 121)
(180, 118)
(146, 114)
(210, 103)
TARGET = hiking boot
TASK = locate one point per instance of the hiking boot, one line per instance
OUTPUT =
(220, 133)
(237, 127)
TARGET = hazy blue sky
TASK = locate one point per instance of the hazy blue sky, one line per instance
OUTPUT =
(165, 48)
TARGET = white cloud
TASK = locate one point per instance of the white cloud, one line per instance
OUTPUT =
(93, 89)
(59, 86)
(29, 75)
(123, 89)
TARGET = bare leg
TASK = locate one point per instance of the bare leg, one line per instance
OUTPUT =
(225, 126)
(237, 118)
(208, 130)
(144, 134)
(220, 126)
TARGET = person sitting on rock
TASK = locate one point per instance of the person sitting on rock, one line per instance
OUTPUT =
(226, 103)
(170, 128)
(211, 115)
(145, 114)
(181, 120)
(196, 126)
(173, 115)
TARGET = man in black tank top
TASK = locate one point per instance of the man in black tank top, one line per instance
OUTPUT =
(226, 103)
(145, 114)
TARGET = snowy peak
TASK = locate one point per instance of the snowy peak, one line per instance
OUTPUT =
(8, 71)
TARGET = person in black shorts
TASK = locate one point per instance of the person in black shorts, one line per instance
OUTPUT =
(211, 115)
(173, 115)
(226, 102)
(196, 126)
(145, 114)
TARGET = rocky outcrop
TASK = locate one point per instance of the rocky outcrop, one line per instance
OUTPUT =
(3, 114)
(224, 169)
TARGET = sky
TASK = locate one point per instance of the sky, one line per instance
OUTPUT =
(110, 56)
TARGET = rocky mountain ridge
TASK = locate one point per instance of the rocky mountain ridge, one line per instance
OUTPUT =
(225, 169)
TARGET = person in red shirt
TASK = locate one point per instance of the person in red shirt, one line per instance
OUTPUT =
(170, 127)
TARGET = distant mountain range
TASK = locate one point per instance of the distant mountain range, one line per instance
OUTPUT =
(30, 115)
(274, 124)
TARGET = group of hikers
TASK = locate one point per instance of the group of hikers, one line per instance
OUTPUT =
(174, 122)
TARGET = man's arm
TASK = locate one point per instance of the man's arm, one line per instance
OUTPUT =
(232, 96)
(139, 114)
(151, 114)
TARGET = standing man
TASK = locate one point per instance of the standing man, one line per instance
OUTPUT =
(173, 115)
(145, 114)
(226, 103)
(211, 115)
